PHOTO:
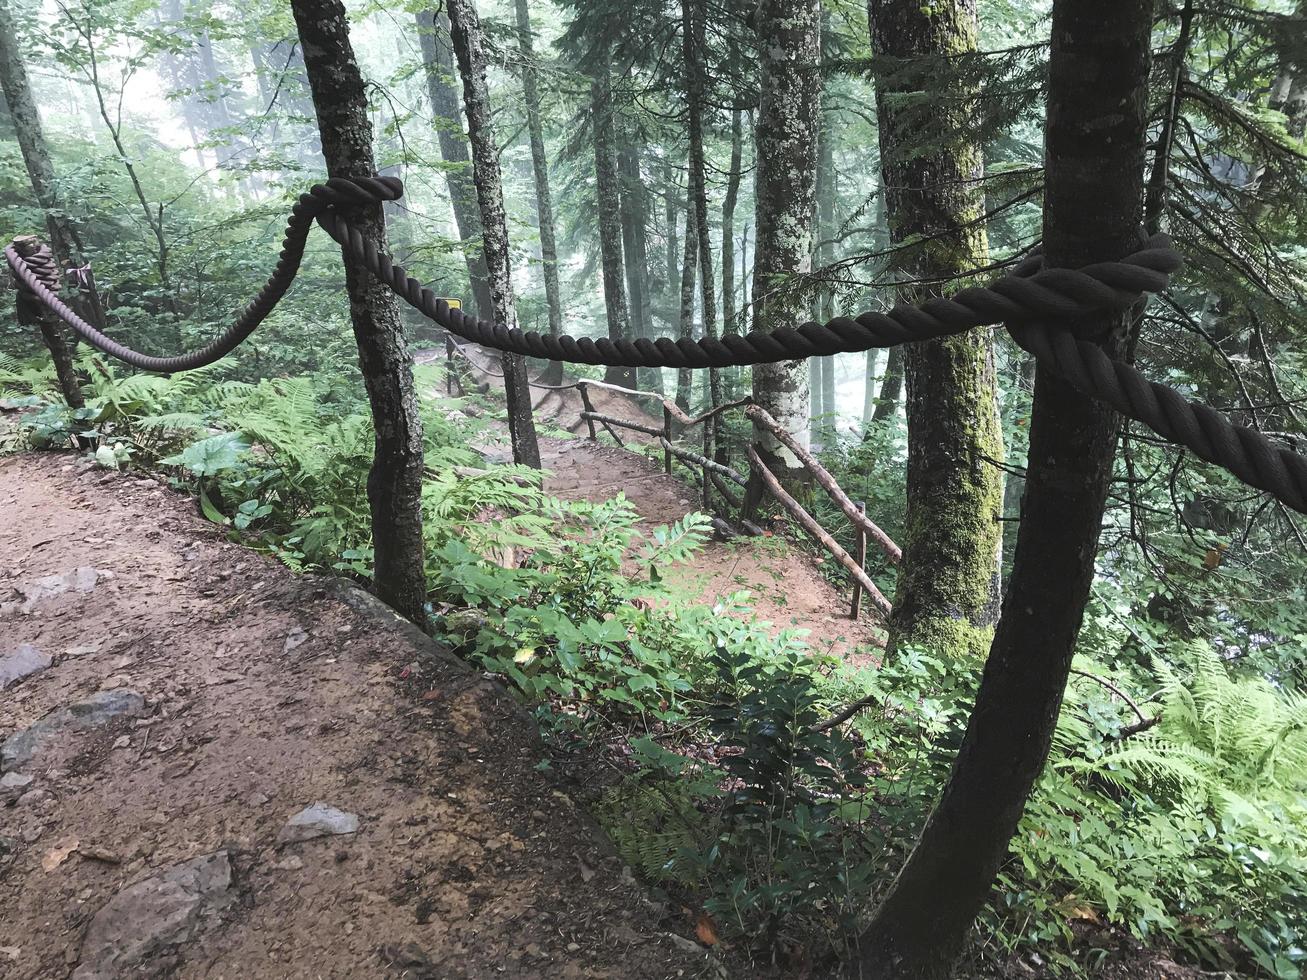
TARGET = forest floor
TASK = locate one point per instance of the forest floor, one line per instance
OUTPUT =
(785, 583)
(215, 768)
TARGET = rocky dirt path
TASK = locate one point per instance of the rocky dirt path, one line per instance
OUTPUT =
(213, 768)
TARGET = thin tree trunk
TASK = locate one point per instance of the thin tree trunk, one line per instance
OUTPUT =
(869, 387)
(438, 59)
(635, 221)
(609, 204)
(891, 386)
(728, 227)
(395, 482)
(540, 168)
(692, 33)
(40, 172)
(465, 31)
(689, 260)
(822, 233)
(672, 254)
(746, 313)
(1094, 158)
(786, 139)
(944, 601)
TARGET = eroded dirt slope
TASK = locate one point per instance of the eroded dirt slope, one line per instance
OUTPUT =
(171, 701)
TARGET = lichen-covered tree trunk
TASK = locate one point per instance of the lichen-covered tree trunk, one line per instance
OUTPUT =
(671, 248)
(954, 491)
(635, 221)
(540, 170)
(395, 482)
(823, 232)
(465, 31)
(786, 140)
(1094, 160)
(689, 261)
(40, 173)
(438, 60)
(891, 386)
(728, 226)
(609, 204)
(692, 43)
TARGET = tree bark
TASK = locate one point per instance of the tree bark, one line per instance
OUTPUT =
(609, 206)
(728, 226)
(438, 59)
(395, 482)
(540, 168)
(635, 221)
(689, 260)
(891, 386)
(1094, 158)
(692, 40)
(944, 599)
(786, 140)
(64, 242)
(465, 31)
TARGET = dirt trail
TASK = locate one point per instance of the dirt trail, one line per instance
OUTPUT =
(786, 585)
(171, 700)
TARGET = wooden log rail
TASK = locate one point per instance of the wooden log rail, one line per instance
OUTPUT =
(714, 475)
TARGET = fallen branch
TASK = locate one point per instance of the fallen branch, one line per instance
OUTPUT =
(1144, 723)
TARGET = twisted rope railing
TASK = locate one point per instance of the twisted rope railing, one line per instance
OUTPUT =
(1025, 301)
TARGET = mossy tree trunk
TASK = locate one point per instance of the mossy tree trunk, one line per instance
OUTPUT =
(1094, 160)
(465, 31)
(954, 490)
(689, 261)
(786, 139)
(635, 224)
(442, 91)
(609, 205)
(395, 481)
(540, 170)
(692, 45)
(64, 242)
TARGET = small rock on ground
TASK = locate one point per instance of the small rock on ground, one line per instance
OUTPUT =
(97, 710)
(318, 820)
(23, 662)
(130, 934)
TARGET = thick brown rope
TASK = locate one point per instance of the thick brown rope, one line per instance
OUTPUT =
(1024, 300)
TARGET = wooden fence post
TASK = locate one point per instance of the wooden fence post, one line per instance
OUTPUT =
(861, 559)
(449, 364)
(667, 435)
(584, 389)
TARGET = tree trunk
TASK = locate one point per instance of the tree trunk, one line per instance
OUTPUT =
(395, 482)
(609, 205)
(438, 59)
(786, 187)
(540, 168)
(891, 386)
(672, 252)
(1094, 157)
(869, 387)
(823, 254)
(635, 221)
(685, 376)
(944, 601)
(728, 227)
(692, 33)
(465, 31)
(64, 242)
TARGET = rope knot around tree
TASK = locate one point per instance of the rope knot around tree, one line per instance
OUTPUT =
(1036, 304)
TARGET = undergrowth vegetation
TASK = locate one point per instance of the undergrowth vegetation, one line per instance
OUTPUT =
(1177, 814)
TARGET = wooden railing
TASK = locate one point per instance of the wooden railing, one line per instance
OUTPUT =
(713, 474)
